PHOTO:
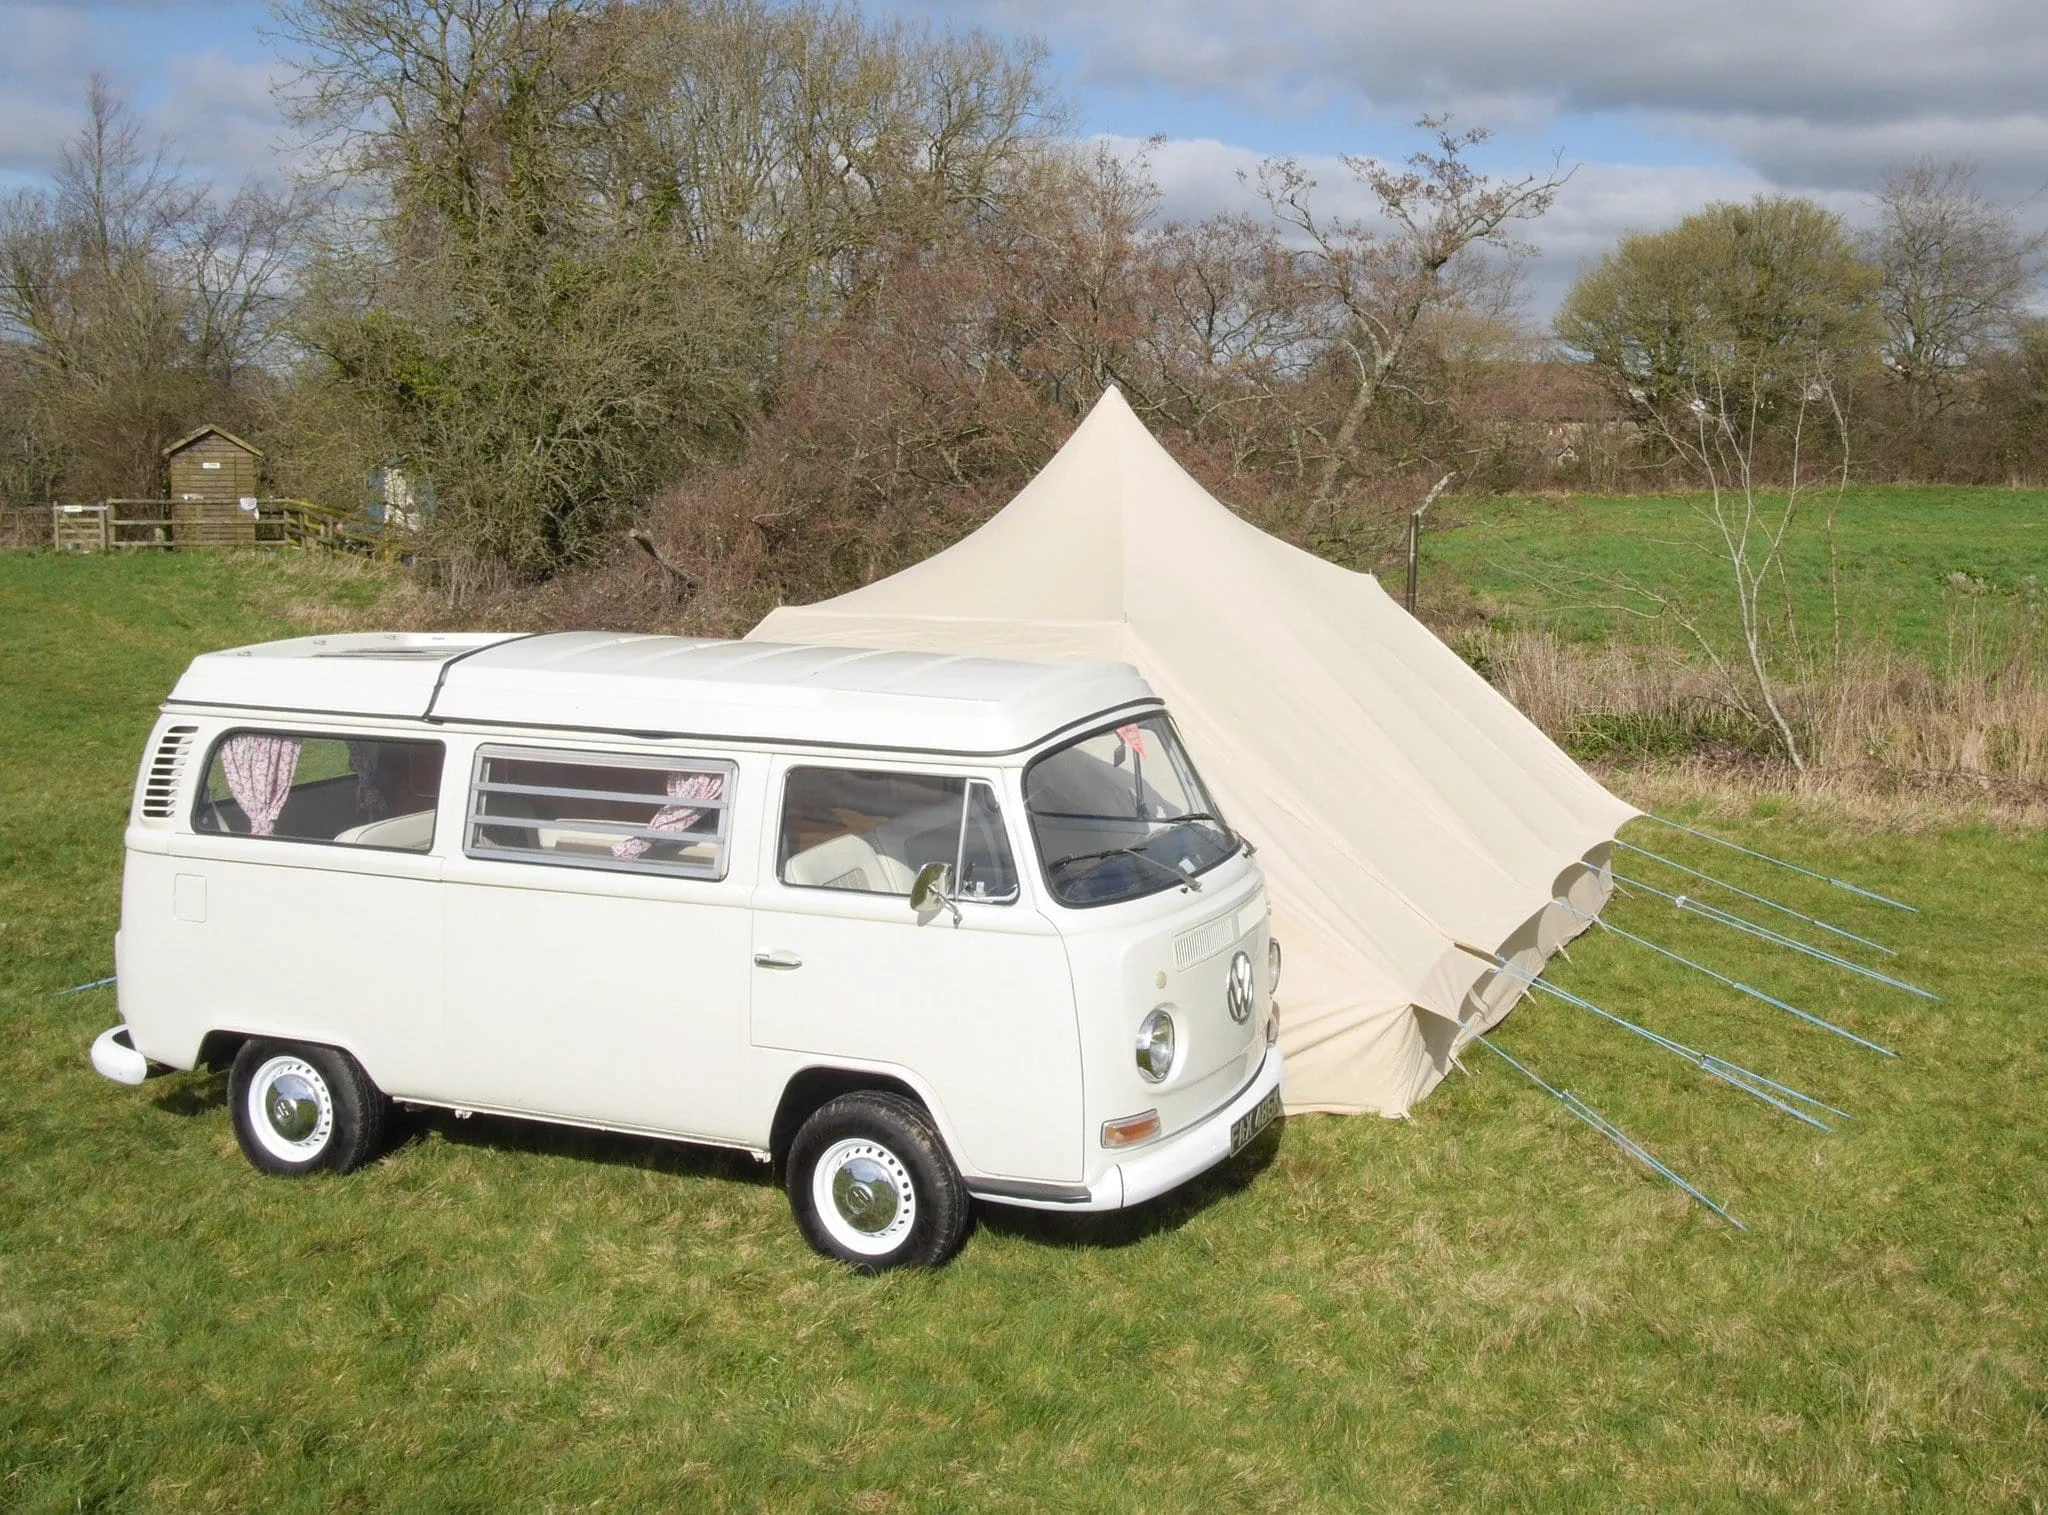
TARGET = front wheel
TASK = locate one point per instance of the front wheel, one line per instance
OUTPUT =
(871, 1185)
(299, 1108)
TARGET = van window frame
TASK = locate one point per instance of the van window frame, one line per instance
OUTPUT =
(720, 868)
(968, 781)
(199, 792)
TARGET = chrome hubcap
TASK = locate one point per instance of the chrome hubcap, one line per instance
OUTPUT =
(865, 1194)
(289, 1110)
(293, 1108)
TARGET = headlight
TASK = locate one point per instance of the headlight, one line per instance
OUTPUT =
(1272, 965)
(1155, 1045)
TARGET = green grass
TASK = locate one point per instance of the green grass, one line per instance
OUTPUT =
(1548, 558)
(1484, 1307)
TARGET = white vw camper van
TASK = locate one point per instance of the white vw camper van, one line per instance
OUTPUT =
(922, 930)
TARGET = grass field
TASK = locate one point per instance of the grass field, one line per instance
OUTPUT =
(1547, 559)
(1484, 1307)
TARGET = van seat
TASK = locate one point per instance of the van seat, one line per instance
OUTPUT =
(849, 862)
(414, 831)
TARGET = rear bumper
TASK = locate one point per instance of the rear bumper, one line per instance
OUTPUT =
(114, 1056)
(1152, 1172)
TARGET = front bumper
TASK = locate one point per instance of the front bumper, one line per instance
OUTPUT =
(1165, 1165)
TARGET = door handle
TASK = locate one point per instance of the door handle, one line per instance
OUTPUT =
(777, 959)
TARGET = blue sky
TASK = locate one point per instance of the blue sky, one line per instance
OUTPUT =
(1665, 106)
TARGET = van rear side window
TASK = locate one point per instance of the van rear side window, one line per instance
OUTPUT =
(293, 787)
(622, 812)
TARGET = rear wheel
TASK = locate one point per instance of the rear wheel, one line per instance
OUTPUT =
(870, 1184)
(300, 1108)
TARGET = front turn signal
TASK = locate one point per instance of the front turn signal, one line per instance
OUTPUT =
(1131, 1130)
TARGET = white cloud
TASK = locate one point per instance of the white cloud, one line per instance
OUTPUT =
(216, 108)
(1825, 91)
(221, 115)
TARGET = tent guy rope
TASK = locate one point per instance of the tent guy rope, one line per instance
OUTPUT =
(1732, 1074)
(1720, 978)
(1778, 862)
(1729, 918)
(1773, 904)
(1585, 1112)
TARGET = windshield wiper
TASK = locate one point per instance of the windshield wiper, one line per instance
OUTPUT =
(1218, 822)
(1186, 879)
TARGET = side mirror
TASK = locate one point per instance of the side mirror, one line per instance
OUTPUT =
(928, 891)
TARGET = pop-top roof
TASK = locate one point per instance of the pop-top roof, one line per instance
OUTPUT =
(670, 686)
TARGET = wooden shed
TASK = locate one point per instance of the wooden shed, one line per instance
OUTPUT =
(212, 473)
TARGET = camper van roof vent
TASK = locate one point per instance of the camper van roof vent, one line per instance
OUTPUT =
(160, 788)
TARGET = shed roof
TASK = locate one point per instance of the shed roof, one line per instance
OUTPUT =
(211, 431)
(671, 686)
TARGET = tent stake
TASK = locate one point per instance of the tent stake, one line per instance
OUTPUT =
(1869, 894)
(1732, 889)
(98, 983)
(1719, 978)
(1729, 918)
(1585, 1112)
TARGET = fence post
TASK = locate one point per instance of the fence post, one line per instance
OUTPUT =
(1415, 534)
(1414, 543)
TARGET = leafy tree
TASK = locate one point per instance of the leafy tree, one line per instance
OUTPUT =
(1741, 308)
(592, 228)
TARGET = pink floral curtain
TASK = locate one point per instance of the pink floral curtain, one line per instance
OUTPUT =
(259, 772)
(681, 786)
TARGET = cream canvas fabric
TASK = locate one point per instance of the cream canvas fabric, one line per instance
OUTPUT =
(1409, 819)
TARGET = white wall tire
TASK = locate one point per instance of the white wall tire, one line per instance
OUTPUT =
(301, 1109)
(871, 1184)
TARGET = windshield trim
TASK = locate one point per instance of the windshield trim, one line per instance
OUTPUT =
(1067, 739)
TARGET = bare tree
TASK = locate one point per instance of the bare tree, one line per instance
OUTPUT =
(1750, 524)
(139, 300)
(1440, 217)
(1957, 276)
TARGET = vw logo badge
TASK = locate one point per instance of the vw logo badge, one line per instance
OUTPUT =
(1238, 994)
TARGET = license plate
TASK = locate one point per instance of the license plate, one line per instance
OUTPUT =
(1254, 1120)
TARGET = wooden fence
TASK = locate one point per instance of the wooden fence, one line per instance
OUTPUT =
(178, 525)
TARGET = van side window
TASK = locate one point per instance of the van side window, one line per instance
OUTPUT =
(624, 812)
(848, 828)
(357, 791)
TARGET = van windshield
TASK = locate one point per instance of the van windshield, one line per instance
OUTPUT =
(1121, 814)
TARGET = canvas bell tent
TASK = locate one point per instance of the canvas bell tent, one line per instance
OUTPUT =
(1410, 821)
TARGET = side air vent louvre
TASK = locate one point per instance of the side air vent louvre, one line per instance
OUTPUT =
(160, 788)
